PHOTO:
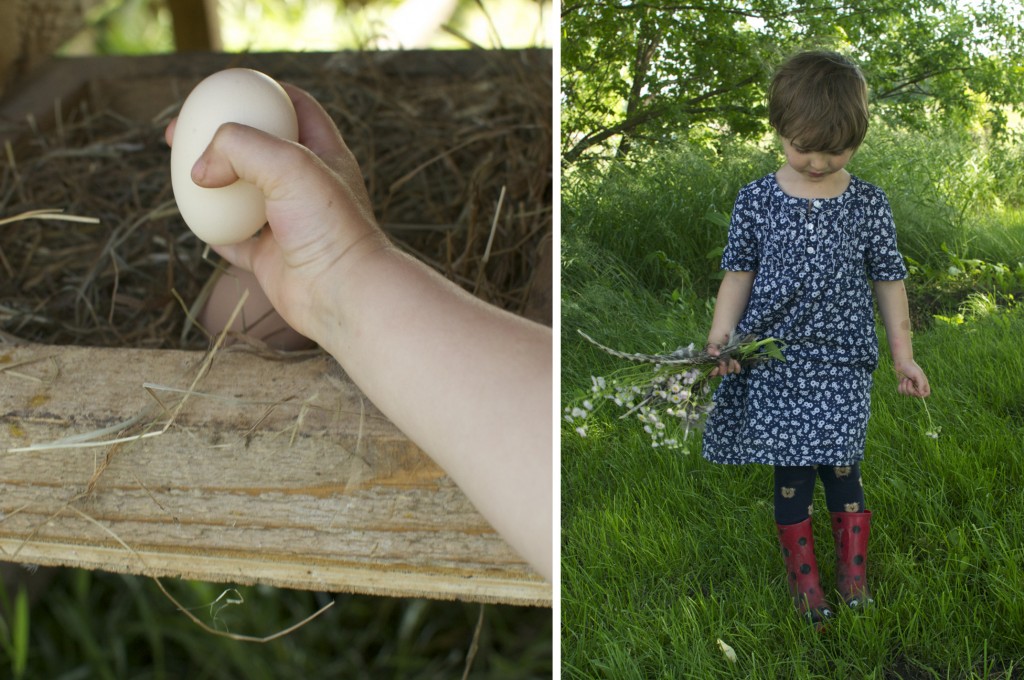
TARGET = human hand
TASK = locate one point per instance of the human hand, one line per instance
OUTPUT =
(319, 213)
(725, 366)
(913, 381)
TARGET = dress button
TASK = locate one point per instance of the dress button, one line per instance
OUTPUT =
(810, 250)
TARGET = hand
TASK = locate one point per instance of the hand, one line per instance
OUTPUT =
(319, 213)
(913, 381)
(725, 366)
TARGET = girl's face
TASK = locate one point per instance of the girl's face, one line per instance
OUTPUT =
(815, 166)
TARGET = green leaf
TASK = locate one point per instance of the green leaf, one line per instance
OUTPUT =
(19, 633)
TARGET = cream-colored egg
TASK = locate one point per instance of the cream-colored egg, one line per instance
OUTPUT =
(233, 213)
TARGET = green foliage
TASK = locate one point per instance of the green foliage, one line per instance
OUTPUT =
(640, 74)
(14, 630)
(98, 625)
(659, 214)
(146, 26)
(131, 27)
(964, 288)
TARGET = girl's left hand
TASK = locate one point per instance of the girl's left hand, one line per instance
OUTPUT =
(725, 366)
(913, 381)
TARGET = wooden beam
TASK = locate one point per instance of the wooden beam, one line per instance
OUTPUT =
(232, 467)
(196, 25)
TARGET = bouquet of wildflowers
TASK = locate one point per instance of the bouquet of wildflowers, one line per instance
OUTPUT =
(670, 394)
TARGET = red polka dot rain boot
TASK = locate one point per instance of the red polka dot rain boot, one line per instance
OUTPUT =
(797, 542)
(851, 531)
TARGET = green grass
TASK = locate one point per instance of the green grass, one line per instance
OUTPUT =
(665, 553)
(94, 625)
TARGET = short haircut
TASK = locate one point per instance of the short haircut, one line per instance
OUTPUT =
(819, 101)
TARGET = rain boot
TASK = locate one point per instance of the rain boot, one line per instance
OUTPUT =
(851, 531)
(797, 542)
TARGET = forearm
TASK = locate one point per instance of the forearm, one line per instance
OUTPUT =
(469, 383)
(733, 296)
(895, 311)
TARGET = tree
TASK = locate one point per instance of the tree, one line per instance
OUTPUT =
(643, 71)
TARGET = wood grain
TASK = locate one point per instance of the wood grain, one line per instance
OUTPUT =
(235, 467)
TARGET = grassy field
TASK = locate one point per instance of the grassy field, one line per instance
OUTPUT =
(665, 554)
(104, 626)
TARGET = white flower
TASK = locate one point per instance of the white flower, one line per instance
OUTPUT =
(727, 651)
(581, 431)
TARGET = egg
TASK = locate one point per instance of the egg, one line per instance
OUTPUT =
(230, 214)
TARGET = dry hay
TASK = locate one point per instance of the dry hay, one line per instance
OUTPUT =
(440, 151)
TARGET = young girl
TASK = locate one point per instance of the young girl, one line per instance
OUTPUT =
(803, 244)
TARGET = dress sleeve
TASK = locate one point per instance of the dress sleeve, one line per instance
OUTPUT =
(884, 261)
(742, 252)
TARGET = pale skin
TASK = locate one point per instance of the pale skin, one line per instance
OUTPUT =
(820, 174)
(469, 383)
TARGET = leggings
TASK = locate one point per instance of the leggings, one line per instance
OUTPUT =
(794, 490)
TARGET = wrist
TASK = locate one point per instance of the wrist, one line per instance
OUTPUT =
(902, 360)
(333, 296)
(718, 338)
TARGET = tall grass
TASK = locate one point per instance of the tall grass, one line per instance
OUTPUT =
(664, 554)
(95, 625)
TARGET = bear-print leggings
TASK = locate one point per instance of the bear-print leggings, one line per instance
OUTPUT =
(794, 490)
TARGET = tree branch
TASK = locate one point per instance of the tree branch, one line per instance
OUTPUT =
(917, 80)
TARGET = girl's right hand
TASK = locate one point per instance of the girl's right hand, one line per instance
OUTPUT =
(725, 366)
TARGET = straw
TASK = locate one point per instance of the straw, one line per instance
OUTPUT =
(459, 172)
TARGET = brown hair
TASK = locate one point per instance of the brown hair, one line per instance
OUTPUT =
(819, 100)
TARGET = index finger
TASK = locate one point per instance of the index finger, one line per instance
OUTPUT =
(319, 134)
(169, 131)
(317, 130)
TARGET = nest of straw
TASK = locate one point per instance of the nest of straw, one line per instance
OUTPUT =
(459, 169)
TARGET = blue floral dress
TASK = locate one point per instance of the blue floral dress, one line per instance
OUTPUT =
(813, 259)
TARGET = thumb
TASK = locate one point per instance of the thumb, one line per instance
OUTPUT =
(241, 152)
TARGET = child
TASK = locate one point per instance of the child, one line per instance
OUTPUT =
(468, 382)
(803, 243)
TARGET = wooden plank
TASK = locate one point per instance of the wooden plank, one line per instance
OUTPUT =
(232, 467)
(62, 82)
(196, 26)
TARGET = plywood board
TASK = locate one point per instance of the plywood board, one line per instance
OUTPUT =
(236, 467)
